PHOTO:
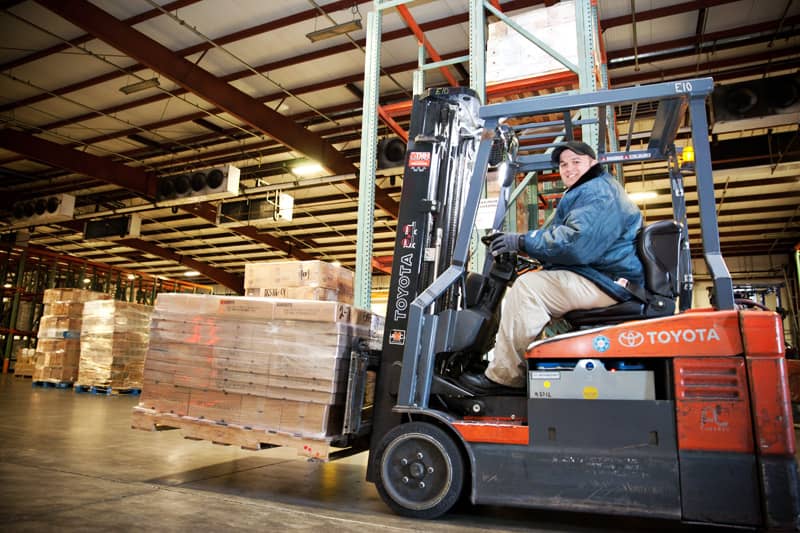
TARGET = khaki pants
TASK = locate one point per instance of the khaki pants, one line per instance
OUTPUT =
(529, 304)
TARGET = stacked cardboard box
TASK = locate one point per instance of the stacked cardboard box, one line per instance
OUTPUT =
(299, 280)
(114, 338)
(25, 362)
(59, 346)
(265, 363)
(511, 56)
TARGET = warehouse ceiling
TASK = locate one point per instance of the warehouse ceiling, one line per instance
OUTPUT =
(101, 99)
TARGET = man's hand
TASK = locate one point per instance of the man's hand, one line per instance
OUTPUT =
(501, 243)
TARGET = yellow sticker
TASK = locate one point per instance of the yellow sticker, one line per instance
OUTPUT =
(546, 384)
(590, 393)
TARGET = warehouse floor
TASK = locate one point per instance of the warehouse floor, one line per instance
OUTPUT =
(70, 462)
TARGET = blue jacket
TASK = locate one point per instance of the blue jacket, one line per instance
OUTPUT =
(593, 233)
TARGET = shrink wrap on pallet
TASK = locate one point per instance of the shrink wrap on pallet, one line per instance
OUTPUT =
(58, 346)
(25, 362)
(114, 338)
(265, 363)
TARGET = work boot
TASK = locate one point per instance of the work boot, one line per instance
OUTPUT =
(480, 385)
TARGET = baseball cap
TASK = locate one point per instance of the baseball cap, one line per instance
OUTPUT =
(579, 147)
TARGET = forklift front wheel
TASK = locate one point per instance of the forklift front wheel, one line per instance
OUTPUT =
(421, 470)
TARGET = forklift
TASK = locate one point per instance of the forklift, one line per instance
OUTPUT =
(646, 408)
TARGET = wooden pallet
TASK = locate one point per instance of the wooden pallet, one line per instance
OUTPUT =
(229, 434)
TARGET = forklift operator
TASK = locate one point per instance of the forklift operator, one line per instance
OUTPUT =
(588, 253)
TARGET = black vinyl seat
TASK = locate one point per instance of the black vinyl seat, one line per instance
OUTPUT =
(658, 246)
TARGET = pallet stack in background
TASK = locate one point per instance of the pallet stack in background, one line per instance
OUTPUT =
(25, 362)
(114, 338)
(258, 363)
(58, 346)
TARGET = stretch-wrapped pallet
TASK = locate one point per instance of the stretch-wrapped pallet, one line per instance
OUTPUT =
(58, 347)
(114, 337)
(257, 362)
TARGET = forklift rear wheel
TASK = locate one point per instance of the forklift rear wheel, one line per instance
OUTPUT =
(420, 470)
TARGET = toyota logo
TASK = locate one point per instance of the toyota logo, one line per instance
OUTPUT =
(630, 339)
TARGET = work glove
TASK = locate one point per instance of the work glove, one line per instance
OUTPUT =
(501, 243)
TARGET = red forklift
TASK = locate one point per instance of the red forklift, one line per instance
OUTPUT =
(646, 408)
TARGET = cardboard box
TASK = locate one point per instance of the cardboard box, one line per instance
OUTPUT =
(277, 364)
(25, 362)
(298, 274)
(114, 339)
(300, 293)
(511, 56)
(63, 309)
(72, 295)
(165, 398)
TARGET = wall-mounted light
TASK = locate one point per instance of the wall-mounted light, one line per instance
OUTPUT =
(333, 31)
(140, 86)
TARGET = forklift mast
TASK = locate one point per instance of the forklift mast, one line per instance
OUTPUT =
(443, 140)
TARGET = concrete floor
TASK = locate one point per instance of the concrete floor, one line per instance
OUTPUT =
(70, 462)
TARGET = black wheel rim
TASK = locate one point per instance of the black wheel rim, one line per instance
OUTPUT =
(417, 471)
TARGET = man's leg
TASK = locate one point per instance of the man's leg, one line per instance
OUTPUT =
(529, 304)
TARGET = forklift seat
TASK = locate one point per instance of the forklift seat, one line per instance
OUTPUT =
(658, 246)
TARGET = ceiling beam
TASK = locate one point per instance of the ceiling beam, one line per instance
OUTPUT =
(732, 34)
(231, 281)
(130, 178)
(131, 21)
(243, 34)
(660, 12)
(191, 50)
(771, 60)
(57, 155)
(204, 84)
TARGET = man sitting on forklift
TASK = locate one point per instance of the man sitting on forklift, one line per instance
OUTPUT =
(588, 253)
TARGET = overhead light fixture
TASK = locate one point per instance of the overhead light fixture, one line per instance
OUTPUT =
(131, 276)
(191, 273)
(333, 31)
(642, 196)
(140, 86)
(307, 169)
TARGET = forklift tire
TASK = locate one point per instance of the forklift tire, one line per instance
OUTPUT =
(420, 470)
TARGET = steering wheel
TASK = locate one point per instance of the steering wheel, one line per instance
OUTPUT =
(522, 263)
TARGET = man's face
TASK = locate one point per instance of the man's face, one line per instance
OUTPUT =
(572, 166)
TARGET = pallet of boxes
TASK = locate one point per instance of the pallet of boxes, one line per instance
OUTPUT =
(25, 362)
(257, 371)
(114, 338)
(58, 345)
